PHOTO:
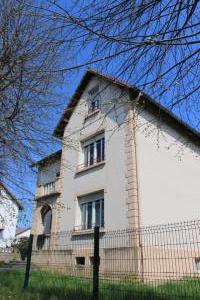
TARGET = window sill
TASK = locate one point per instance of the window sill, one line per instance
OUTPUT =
(84, 169)
(87, 231)
(93, 113)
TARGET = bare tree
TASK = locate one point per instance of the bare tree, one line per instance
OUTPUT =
(28, 51)
(153, 44)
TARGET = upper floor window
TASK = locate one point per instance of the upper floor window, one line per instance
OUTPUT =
(94, 99)
(94, 151)
(49, 188)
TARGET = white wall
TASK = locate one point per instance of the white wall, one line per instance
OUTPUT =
(169, 173)
(23, 234)
(8, 218)
(109, 177)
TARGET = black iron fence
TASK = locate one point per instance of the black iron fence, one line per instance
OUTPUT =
(157, 262)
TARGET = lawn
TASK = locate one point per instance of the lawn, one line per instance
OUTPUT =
(51, 286)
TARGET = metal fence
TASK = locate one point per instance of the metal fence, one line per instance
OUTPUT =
(157, 262)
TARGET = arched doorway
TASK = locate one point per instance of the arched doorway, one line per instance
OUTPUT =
(43, 241)
(46, 215)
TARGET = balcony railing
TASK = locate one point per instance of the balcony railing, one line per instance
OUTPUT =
(48, 189)
(86, 227)
(89, 165)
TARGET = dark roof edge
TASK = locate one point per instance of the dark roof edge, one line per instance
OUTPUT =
(84, 81)
(47, 158)
(20, 206)
(58, 132)
(23, 230)
(161, 108)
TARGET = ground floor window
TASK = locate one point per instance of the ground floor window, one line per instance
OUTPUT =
(80, 260)
(46, 214)
(1, 233)
(197, 263)
(92, 214)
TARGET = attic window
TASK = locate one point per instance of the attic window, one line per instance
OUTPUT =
(94, 99)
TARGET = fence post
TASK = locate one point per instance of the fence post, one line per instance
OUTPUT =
(28, 262)
(96, 264)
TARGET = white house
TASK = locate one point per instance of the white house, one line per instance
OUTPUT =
(9, 211)
(22, 233)
(126, 161)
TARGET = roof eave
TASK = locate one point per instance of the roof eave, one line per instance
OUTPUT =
(59, 130)
(20, 206)
(47, 158)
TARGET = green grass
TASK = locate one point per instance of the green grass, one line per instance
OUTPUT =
(54, 286)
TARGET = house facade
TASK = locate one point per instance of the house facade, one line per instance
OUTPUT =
(125, 162)
(9, 211)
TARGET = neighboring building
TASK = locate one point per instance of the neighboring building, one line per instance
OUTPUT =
(9, 211)
(125, 162)
(22, 233)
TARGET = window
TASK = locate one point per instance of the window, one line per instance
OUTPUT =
(80, 260)
(197, 263)
(94, 151)
(49, 188)
(94, 99)
(92, 214)
(43, 240)
(91, 260)
(46, 214)
(1, 233)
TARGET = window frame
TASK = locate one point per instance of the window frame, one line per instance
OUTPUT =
(86, 223)
(94, 150)
(1, 233)
(80, 260)
(197, 264)
(94, 100)
(46, 218)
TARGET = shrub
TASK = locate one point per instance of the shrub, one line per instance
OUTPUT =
(22, 247)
